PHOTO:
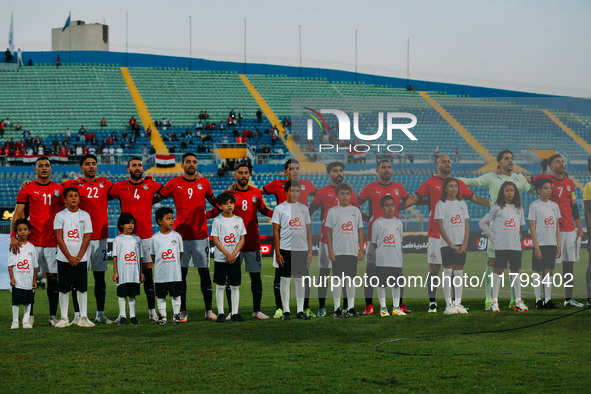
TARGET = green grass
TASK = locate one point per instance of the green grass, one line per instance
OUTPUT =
(319, 355)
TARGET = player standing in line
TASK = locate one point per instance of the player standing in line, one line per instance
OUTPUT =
(127, 273)
(325, 199)
(228, 233)
(563, 194)
(189, 193)
(386, 238)
(22, 269)
(42, 199)
(73, 231)
(451, 215)
(249, 201)
(166, 248)
(136, 196)
(431, 189)
(94, 200)
(508, 219)
(292, 238)
(587, 202)
(373, 193)
(275, 188)
(344, 227)
(545, 234)
(493, 181)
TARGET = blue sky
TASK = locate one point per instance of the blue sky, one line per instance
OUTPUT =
(540, 46)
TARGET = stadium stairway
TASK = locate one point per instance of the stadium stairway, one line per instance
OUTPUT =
(306, 165)
(147, 121)
(568, 131)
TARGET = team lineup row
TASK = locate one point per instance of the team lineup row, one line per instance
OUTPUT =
(341, 242)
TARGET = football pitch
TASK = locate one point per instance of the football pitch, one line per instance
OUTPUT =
(518, 351)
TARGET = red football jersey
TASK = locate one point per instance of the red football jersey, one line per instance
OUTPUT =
(276, 188)
(189, 200)
(325, 199)
(44, 202)
(563, 193)
(94, 199)
(248, 203)
(374, 192)
(136, 198)
(431, 189)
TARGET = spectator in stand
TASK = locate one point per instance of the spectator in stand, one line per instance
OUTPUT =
(30, 151)
(18, 126)
(200, 148)
(119, 151)
(221, 126)
(259, 115)
(103, 122)
(124, 135)
(2, 127)
(91, 150)
(167, 122)
(232, 114)
(37, 142)
(240, 117)
(79, 151)
(55, 144)
(40, 150)
(152, 150)
(88, 138)
(110, 141)
(273, 139)
(173, 136)
(157, 123)
(57, 61)
(183, 144)
(208, 137)
(267, 150)
(457, 156)
(133, 123)
(200, 116)
(149, 132)
(172, 149)
(85, 150)
(93, 139)
(64, 152)
(198, 126)
(239, 139)
(68, 132)
(230, 121)
(81, 133)
(144, 152)
(205, 115)
(235, 133)
(411, 157)
(224, 139)
(8, 55)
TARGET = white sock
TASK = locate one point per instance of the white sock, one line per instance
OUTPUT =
(496, 287)
(132, 303)
(15, 311)
(517, 288)
(487, 285)
(336, 296)
(100, 314)
(176, 305)
(300, 291)
(161, 306)
(458, 289)
(538, 290)
(219, 298)
(64, 302)
(396, 297)
(548, 291)
(382, 296)
(152, 312)
(446, 284)
(77, 314)
(27, 314)
(235, 294)
(284, 290)
(83, 303)
(351, 295)
(121, 301)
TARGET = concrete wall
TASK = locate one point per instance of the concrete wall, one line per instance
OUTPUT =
(94, 37)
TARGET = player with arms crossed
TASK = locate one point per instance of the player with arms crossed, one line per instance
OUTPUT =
(42, 199)
(373, 193)
(292, 239)
(325, 199)
(545, 233)
(276, 188)
(493, 181)
(94, 199)
(190, 192)
(136, 196)
(563, 194)
(432, 189)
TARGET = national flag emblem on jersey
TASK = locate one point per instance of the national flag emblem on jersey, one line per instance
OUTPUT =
(199, 186)
(173, 242)
(303, 187)
(396, 192)
(56, 192)
(146, 187)
(101, 185)
(254, 199)
(568, 188)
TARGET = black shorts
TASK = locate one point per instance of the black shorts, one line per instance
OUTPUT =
(513, 257)
(548, 258)
(128, 289)
(294, 263)
(227, 273)
(345, 266)
(72, 277)
(22, 297)
(450, 257)
(383, 273)
(171, 288)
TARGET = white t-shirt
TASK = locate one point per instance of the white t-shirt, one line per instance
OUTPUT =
(345, 223)
(293, 219)
(454, 215)
(167, 249)
(387, 234)
(24, 264)
(546, 215)
(128, 250)
(229, 231)
(506, 226)
(75, 225)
